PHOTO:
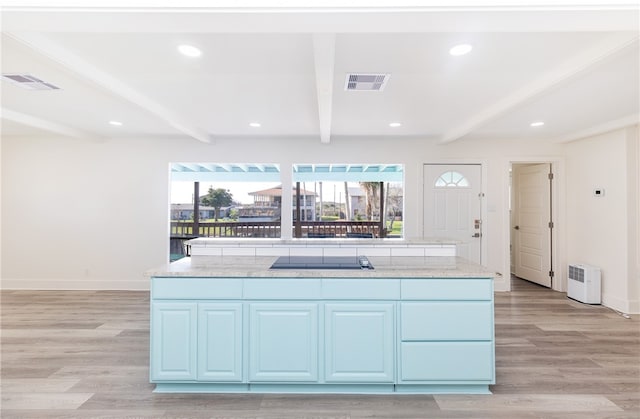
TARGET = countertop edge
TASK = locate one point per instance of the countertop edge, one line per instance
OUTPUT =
(384, 267)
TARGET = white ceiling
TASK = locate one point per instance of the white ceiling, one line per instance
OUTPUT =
(574, 66)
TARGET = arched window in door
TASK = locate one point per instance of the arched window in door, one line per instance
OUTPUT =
(452, 179)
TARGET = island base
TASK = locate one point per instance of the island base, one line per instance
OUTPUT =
(322, 388)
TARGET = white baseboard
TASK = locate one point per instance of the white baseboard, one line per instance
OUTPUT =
(623, 306)
(75, 284)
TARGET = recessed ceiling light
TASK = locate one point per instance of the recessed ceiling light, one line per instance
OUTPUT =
(255, 124)
(461, 49)
(116, 123)
(537, 124)
(189, 50)
(395, 124)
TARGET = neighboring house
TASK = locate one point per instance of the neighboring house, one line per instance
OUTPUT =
(358, 202)
(395, 201)
(259, 213)
(267, 203)
(185, 212)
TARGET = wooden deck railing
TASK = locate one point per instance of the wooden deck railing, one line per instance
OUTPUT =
(272, 229)
(227, 229)
(340, 228)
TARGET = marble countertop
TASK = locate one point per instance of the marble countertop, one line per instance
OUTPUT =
(385, 267)
(438, 241)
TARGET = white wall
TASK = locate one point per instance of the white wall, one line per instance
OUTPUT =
(94, 215)
(598, 228)
(82, 215)
(633, 231)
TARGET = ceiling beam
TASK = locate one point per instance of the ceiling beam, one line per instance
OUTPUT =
(609, 126)
(82, 68)
(46, 125)
(570, 68)
(324, 47)
(365, 16)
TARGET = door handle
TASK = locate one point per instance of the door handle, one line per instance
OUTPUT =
(517, 227)
(477, 235)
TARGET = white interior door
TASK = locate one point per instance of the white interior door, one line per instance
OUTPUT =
(531, 207)
(452, 206)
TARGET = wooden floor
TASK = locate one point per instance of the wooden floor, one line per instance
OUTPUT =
(85, 354)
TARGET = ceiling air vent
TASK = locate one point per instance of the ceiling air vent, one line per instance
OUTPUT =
(27, 81)
(366, 82)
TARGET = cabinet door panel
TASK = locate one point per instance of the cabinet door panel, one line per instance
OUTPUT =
(447, 320)
(220, 342)
(283, 342)
(173, 341)
(447, 361)
(359, 342)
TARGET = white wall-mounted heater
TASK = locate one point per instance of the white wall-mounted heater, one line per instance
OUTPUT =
(583, 283)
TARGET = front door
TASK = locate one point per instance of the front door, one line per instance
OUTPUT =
(452, 206)
(531, 222)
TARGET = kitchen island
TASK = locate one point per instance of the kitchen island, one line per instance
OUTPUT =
(410, 325)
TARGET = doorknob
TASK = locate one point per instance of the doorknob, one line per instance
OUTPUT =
(517, 227)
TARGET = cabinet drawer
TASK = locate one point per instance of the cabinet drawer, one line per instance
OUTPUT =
(360, 289)
(447, 289)
(447, 361)
(196, 288)
(282, 288)
(447, 320)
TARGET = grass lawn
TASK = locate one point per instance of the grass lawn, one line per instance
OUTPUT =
(397, 228)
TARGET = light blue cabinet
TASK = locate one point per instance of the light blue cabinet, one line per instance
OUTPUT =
(459, 362)
(383, 335)
(173, 341)
(447, 336)
(283, 342)
(220, 342)
(447, 320)
(359, 342)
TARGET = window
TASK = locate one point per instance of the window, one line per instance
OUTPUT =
(225, 200)
(233, 200)
(348, 200)
(452, 179)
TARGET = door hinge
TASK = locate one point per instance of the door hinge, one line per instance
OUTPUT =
(551, 274)
(550, 224)
(550, 176)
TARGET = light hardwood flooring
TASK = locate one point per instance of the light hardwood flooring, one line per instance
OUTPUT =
(85, 354)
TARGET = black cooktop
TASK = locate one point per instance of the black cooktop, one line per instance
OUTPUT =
(322, 262)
